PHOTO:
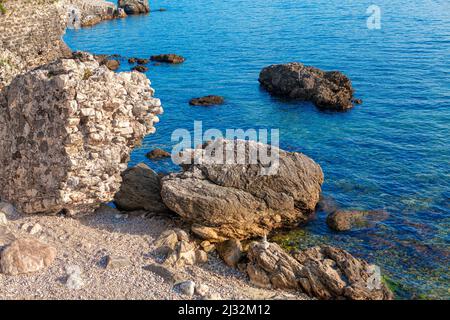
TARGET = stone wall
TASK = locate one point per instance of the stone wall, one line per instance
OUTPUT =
(67, 130)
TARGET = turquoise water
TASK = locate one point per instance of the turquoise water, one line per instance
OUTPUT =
(390, 153)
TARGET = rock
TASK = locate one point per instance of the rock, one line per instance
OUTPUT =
(322, 272)
(344, 220)
(140, 190)
(201, 289)
(79, 130)
(117, 262)
(326, 204)
(178, 250)
(328, 90)
(207, 246)
(168, 274)
(74, 279)
(134, 6)
(140, 68)
(6, 237)
(168, 58)
(3, 219)
(90, 20)
(132, 60)
(157, 154)
(230, 251)
(25, 256)
(35, 229)
(212, 296)
(142, 61)
(239, 201)
(207, 101)
(7, 209)
(112, 65)
(187, 288)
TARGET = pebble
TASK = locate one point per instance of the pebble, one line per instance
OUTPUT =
(35, 229)
(3, 220)
(187, 288)
(74, 278)
(201, 289)
(117, 262)
(7, 209)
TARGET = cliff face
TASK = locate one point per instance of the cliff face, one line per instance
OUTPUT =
(67, 123)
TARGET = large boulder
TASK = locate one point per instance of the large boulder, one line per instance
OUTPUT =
(140, 190)
(344, 220)
(67, 131)
(134, 6)
(246, 198)
(328, 90)
(25, 256)
(322, 272)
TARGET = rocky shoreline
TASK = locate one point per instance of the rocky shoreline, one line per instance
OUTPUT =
(71, 124)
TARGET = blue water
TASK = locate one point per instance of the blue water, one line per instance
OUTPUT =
(391, 153)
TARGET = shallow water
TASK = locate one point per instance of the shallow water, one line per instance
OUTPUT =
(390, 153)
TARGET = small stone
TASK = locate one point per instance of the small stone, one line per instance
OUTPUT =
(167, 242)
(207, 101)
(201, 289)
(187, 288)
(230, 251)
(201, 257)
(117, 262)
(207, 246)
(74, 277)
(3, 220)
(168, 58)
(140, 68)
(212, 296)
(157, 154)
(7, 209)
(35, 229)
(112, 64)
(25, 256)
(6, 237)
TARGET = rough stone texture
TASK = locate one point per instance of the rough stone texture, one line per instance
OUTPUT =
(328, 90)
(230, 251)
(6, 236)
(207, 101)
(178, 249)
(158, 153)
(140, 190)
(25, 256)
(344, 220)
(168, 58)
(237, 200)
(134, 6)
(86, 13)
(322, 272)
(67, 130)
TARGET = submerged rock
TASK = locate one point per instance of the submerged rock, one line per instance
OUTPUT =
(140, 68)
(134, 6)
(112, 65)
(157, 154)
(207, 101)
(140, 190)
(322, 272)
(328, 90)
(168, 58)
(226, 201)
(67, 131)
(344, 220)
(25, 256)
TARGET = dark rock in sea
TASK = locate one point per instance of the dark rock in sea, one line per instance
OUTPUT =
(207, 101)
(142, 61)
(140, 68)
(344, 220)
(327, 90)
(168, 58)
(357, 101)
(112, 65)
(140, 190)
(242, 200)
(327, 204)
(323, 272)
(132, 60)
(158, 153)
(134, 6)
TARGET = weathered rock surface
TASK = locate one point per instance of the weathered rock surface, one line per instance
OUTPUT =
(117, 262)
(242, 200)
(158, 153)
(86, 13)
(178, 249)
(74, 280)
(112, 65)
(140, 68)
(322, 272)
(168, 58)
(207, 101)
(140, 190)
(25, 256)
(67, 130)
(134, 6)
(327, 90)
(230, 251)
(6, 236)
(344, 220)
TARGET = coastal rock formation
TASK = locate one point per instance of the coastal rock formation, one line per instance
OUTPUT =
(246, 198)
(140, 68)
(328, 90)
(25, 256)
(86, 13)
(134, 6)
(344, 220)
(168, 58)
(322, 272)
(157, 154)
(140, 190)
(67, 130)
(207, 101)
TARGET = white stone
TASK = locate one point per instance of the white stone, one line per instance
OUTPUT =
(3, 220)
(187, 288)
(201, 289)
